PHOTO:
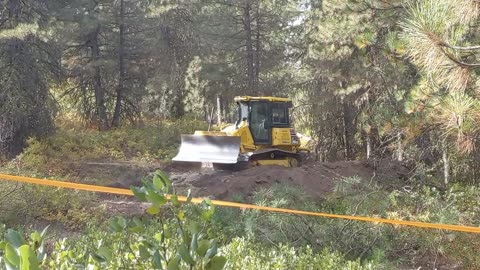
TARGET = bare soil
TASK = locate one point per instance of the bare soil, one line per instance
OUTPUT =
(316, 178)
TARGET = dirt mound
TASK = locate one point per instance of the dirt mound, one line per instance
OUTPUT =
(315, 178)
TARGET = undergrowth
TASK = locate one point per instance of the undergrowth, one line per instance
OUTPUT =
(66, 155)
(387, 245)
(176, 236)
(69, 148)
(250, 238)
(29, 204)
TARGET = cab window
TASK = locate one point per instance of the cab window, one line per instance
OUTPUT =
(259, 122)
(279, 114)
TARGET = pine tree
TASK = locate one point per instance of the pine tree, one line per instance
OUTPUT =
(28, 62)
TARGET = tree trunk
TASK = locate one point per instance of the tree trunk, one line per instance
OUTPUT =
(247, 22)
(399, 146)
(121, 62)
(446, 167)
(258, 47)
(178, 85)
(349, 129)
(101, 109)
(219, 111)
(369, 145)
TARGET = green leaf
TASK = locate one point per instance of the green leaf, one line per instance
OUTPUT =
(208, 211)
(41, 253)
(97, 258)
(216, 263)
(212, 251)
(11, 255)
(203, 246)
(28, 258)
(194, 243)
(189, 196)
(156, 198)
(173, 264)
(157, 182)
(139, 193)
(10, 266)
(114, 226)
(181, 215)
(36, 238)
(105, 253)
(15, 238)
(193, 227)
(158, 237)
(175, 200)
(144, 253)
(157, 260)
(137, 226)
(185, 254)
(38, 244)
(153, 210)
(122, 222)
(166, 180)
(44, 231)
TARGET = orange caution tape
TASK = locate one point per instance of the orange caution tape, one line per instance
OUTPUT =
(52, 183)
(121, 191)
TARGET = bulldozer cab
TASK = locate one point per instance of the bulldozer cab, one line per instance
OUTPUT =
(264, 114)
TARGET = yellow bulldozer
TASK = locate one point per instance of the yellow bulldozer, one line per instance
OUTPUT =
(262, 135)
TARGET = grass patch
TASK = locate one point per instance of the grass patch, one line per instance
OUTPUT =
(67, 148)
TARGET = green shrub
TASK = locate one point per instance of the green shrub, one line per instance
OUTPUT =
(248, 255)
(361, 240)
(355, 239)
(177, 238)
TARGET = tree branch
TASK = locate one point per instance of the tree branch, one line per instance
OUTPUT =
(458, 62)
(459, 48)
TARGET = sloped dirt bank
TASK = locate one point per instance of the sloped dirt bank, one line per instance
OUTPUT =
(315, 178)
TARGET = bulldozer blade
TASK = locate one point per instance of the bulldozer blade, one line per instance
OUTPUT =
(205, 148)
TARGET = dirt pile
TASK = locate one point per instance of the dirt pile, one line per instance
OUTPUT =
(316, 178)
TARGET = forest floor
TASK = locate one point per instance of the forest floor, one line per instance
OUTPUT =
(317, 179)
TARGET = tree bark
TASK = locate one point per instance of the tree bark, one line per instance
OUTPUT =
(250, 54)
(258, 47)
(349, 129)
(369, 145)
(121, 62)
(101, 109)
(446, 167)
(399, 146)
(219, 111)
(178, 84)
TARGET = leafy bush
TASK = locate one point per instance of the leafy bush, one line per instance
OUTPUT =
(248, 255)
(176, 240)
(177, 237)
